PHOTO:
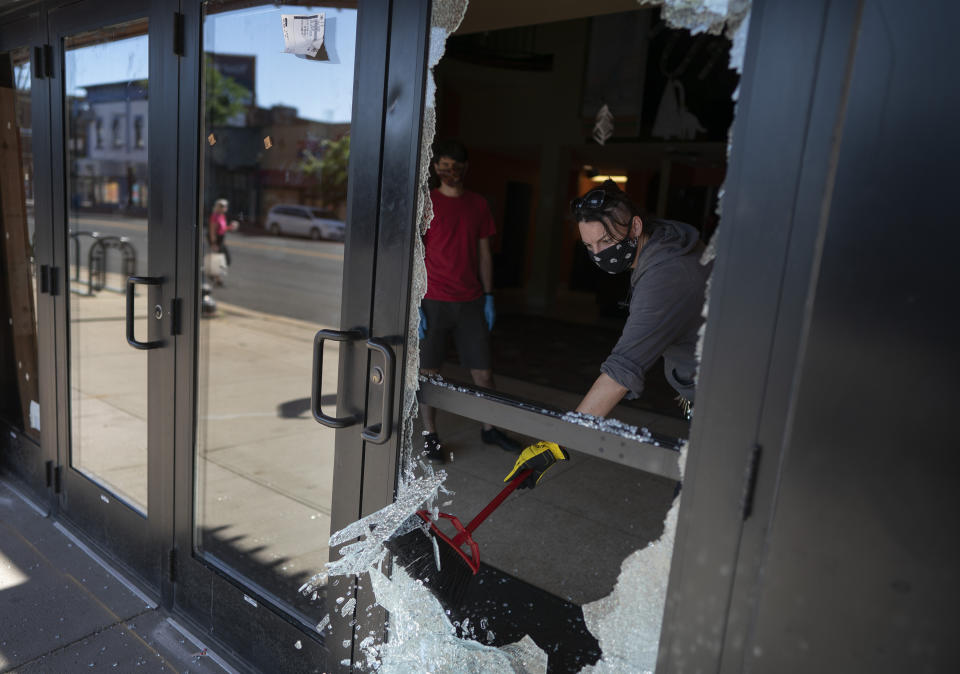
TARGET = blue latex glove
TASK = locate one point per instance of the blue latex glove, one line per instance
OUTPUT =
(489, 312)
(422, 330)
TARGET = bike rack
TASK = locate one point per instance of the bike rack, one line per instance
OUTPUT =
(97, 262)
(75, 240)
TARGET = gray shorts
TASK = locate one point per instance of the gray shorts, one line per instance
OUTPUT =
(470, 334)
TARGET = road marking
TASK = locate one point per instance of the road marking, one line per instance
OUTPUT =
(113, 223)
(234, 243)
(287, 251)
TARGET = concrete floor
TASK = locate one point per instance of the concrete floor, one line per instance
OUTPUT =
(64, 610)
(265, 474)
(570, 534)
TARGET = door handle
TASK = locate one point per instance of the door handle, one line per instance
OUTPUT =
(318, 340)
(132, 282)
(380, 433)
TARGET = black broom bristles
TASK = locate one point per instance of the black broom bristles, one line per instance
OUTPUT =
(415, 552)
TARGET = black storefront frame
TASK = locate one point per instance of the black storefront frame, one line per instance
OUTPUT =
(34, 464)
(204, 594)
(164, 567)
(110, 523)
(796, 76)
(398, 145)
(837, 25)
(728, 417)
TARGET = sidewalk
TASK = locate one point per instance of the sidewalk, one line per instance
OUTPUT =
(63, 610)
(265, 467)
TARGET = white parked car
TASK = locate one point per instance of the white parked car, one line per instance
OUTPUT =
(304, 221)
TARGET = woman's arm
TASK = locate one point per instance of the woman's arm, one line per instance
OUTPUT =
(602, 397)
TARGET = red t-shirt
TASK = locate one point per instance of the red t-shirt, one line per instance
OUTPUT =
(451, 246)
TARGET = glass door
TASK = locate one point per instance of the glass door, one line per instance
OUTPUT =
(283, 157)
(579, 564)
(114, 236)
(271, 226)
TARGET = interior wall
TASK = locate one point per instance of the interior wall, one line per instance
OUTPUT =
(504, 119)
(512, 101)
(532, 128)
(518, 126)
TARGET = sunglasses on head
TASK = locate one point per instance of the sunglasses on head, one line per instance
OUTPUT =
(592, 200)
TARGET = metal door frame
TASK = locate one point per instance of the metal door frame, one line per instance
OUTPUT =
(741, 406)
(22, 454)
(402, 138)
(202, 594)
(136, 544)
(793, 90)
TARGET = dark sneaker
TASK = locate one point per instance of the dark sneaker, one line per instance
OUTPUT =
(495, 436)
(433, 448)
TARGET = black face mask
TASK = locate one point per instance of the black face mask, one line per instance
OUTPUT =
(617, 258)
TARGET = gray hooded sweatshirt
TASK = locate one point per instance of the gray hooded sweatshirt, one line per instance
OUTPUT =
(666, 298)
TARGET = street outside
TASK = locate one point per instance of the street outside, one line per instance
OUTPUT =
(287, 276)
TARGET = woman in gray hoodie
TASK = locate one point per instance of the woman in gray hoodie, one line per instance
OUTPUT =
(667, 286)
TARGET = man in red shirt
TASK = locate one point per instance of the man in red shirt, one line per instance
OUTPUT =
(459, 297)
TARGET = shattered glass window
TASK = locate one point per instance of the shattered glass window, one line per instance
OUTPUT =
(572, 574)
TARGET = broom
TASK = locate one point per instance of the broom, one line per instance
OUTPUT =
(440, 561)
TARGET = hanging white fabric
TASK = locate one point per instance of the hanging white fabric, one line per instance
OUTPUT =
(673, 120)
(603, 128)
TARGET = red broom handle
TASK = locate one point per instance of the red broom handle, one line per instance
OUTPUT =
(497, 500)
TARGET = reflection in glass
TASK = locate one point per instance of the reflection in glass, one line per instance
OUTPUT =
(105, 74)
(276, 144)
(20, 405)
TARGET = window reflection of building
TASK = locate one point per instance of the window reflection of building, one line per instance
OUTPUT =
(110, 177)
(117, 131)
(252, 177)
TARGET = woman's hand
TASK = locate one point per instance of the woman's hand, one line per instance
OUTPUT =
(602, 397)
